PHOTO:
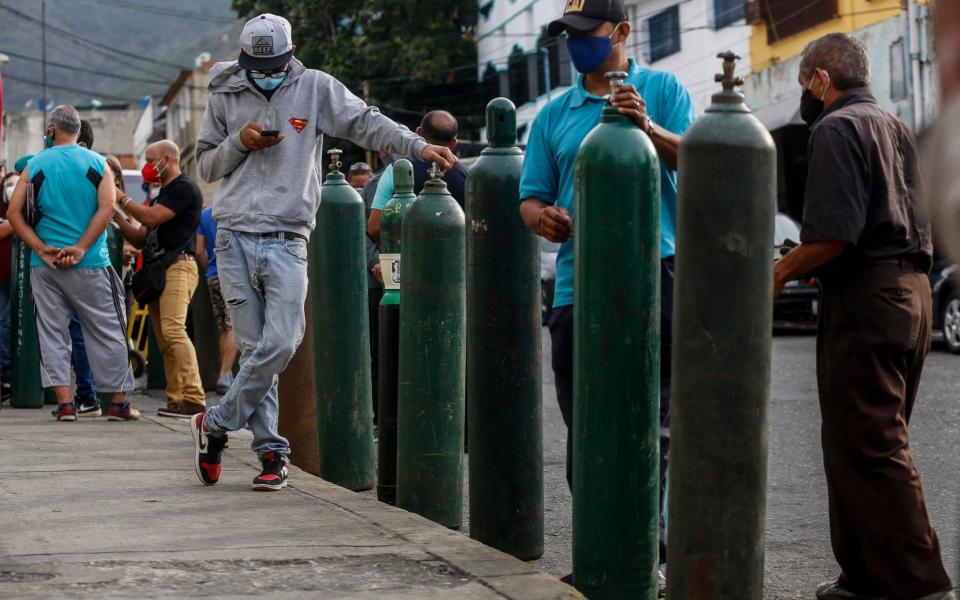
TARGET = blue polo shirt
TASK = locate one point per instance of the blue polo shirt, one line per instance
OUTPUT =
(65, 182)
(207, 227)
(555, 139)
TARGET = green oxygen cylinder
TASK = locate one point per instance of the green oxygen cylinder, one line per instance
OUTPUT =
(616, 402)
(391, 221)
(341, 343)
(503, 359)
(723, 311)
(27, 387)
(430, 412)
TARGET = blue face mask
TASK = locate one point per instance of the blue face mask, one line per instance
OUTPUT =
(268, 83)
(587, 52)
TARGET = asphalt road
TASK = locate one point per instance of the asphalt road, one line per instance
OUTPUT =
(798, 543)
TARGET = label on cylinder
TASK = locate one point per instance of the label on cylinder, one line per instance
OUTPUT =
(390, 269)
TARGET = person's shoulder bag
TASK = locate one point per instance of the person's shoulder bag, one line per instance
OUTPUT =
(148, 283)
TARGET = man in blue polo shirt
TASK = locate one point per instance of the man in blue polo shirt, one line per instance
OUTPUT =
(597, 32)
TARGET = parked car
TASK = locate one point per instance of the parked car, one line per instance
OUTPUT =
(548, 275)
(799, 304)
(945, 283)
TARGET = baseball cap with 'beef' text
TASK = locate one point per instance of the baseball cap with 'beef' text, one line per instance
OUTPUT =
(265, 43)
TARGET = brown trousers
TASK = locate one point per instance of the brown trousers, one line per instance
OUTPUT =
(872, 340)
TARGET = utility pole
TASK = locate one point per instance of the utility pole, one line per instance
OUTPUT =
(913, 34)
(43, 43)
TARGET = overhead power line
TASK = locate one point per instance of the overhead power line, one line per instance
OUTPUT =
(99, 73)
(168, 12)
(91, 94)
(112, 51)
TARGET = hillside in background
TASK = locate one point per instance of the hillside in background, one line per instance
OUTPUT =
(109, 50)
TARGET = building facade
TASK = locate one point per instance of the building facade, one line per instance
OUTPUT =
(113, 128)
(898, 36)
(183, 106)
(681, 36)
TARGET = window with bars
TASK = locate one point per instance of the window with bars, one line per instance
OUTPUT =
(663, 33)
(727, 12)
(788, 17)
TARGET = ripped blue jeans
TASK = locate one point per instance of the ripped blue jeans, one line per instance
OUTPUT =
(264, 284)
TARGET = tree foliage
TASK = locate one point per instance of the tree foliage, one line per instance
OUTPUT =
(414, 55)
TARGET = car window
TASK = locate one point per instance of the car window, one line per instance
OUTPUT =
(785, 228)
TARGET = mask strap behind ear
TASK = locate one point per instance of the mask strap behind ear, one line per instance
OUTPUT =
(614, 32)
(826, 85)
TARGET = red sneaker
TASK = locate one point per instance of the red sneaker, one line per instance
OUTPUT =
(274, 475)
(123, 412)
(65, 412)
(208, 450)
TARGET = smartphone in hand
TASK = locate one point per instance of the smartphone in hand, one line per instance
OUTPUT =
(270, 132)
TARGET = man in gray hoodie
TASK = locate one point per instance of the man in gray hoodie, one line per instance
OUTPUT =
(262, 134)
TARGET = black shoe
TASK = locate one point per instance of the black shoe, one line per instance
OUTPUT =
(88, 408)
(834, 590)
(208, 451)
(274, 474)
(181, 410)
(6, 392)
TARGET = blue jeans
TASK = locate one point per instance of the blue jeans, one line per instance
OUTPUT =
(86, 388)
(5, 334)
(264, 284)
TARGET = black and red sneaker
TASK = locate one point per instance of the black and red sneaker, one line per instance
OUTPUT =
(209, 450)
(65, 412)
(274, 475)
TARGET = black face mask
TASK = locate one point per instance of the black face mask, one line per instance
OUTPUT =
(811, 107)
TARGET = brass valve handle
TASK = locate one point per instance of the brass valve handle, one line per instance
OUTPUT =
(727, 78)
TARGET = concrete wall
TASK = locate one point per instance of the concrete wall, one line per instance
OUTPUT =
(853, 16)
(697, 62)
(512, 23)
(183, 120)
(112, 131)
(23, 134)
(778, 83)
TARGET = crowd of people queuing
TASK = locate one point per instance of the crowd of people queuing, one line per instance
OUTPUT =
(864, 236)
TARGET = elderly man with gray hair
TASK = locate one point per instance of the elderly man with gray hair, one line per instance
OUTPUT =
(74, 198)
(866, 238)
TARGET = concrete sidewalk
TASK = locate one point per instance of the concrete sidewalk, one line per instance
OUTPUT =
(97, 509)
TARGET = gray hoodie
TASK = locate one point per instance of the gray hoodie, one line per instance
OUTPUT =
(278, 188)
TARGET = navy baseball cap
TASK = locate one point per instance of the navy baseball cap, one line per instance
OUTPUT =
(587, 15)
